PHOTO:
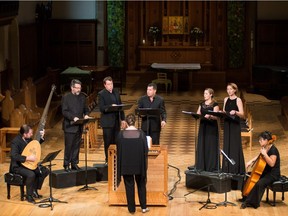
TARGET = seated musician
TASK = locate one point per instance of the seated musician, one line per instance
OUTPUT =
(33, 178)
(132, 153)
(269, 153)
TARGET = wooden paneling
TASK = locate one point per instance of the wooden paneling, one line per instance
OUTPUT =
(70, 42)
(271, 42)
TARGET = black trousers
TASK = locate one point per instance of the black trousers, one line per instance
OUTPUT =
(109, 135)
(72, 148)
(155, 135)
(130, 191)
(255, 196)
(33, 178)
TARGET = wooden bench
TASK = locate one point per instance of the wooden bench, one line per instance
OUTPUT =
(278, 186)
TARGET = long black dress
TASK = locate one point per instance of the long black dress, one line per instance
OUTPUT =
(232, 141)
(208, 142)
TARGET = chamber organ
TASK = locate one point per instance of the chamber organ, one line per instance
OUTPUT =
(157, 178)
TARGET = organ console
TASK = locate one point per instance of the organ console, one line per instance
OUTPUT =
(157, 178)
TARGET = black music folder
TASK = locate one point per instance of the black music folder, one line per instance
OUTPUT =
(83, 121)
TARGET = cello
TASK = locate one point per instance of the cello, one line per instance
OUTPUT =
(258, 168)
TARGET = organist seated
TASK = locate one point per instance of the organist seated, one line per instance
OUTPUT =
(132, 153)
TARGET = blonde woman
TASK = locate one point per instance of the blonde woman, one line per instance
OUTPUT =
(232, 145)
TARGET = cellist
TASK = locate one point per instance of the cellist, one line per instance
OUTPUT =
(271, 172)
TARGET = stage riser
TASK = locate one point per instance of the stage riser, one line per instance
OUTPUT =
(101, 172)
(217, 184)
(63, 179)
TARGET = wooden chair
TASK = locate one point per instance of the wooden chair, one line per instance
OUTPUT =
(162, 79)
(249, 129)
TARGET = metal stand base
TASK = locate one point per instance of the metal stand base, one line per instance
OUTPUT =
(225, 202)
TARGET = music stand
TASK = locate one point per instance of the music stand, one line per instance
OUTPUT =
(208, 204)
(225, 202)
(221, 115)
(196, 117)
(51, 156)
(86, 138)
(149, 112)
(118, 108)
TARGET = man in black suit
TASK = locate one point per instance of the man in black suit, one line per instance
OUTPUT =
(151, 100)
(110, 121)
(74, 107)
(33, 178)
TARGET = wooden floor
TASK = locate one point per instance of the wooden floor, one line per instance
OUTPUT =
(179, 136)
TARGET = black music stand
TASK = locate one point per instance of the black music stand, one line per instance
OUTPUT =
(221, 115)
(225, 202)
(196, 117)
(148, 112)
(208, 204)
(85, 132)
(51, 156)
(118, 108)
(224, 115)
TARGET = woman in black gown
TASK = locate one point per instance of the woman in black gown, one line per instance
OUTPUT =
(232, 145)
(207, 157)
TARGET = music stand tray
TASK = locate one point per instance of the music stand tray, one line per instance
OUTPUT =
(118, 108)
(221, 115)
(51, 156)
(193, 114)
(147, 111)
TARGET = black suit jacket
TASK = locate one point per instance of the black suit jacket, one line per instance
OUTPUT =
(154, 121)
(109, 119)
(73, 106)
(17, 147)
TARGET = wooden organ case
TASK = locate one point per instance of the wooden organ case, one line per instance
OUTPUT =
(157, 178)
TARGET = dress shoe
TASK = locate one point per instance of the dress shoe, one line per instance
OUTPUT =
(67, 169)
(243, 206)
(243, 199)
(36, 195)
(30, 199)
(75, 167)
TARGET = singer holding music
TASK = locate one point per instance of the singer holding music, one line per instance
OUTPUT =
(110, 121)
(232, 144)
(151, 100)
(74, 107)
(33, 178)
(270, 155)
(208, 137)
